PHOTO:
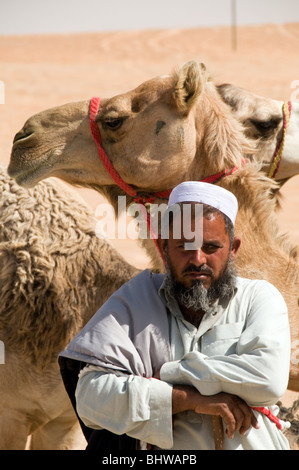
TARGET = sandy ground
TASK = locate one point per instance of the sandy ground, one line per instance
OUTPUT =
(40, 72)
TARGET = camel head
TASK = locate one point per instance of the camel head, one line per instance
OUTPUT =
(262, 119)
(166, 130)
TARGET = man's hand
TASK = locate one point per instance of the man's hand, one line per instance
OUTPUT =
(236, 414)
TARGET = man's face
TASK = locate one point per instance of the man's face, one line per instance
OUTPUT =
(208, 262)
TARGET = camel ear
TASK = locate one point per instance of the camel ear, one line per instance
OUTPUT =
(189, 82)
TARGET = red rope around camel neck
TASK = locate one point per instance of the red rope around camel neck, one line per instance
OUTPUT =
(128, 189)
(143, 199)
(94, 107)
(140, 197)
(277, 157)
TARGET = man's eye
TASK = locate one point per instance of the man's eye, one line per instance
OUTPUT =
(210, 248)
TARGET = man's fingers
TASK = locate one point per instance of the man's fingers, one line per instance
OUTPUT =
(238, 416)
(248, 416)
(229, 418)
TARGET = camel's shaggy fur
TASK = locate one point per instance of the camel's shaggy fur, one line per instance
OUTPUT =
(262, 119)
(291, 414)
(199, 137)
(55, 273)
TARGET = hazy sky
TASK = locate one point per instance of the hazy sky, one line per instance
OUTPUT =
(69, 16)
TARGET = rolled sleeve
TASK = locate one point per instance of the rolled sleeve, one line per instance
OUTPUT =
(132, 405)
(258, 370)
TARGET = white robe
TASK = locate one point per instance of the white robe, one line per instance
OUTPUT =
(242, 346)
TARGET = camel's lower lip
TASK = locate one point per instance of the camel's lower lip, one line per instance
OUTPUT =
(28, 174)
(28, 177)
(23, 179)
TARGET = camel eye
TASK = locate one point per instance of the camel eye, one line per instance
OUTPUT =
(113, 124)
(265, 126)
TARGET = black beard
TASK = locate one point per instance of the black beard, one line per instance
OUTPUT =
(198, 297)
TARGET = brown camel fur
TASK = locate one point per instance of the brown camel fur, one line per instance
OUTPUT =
(55, 274)
(262, 119)
(167, 130)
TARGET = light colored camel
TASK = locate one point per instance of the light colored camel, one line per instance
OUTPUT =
(262, 119)
(55, 274)
(291, 414)
(167, 130)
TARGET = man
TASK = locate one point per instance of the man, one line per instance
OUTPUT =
(167, 352)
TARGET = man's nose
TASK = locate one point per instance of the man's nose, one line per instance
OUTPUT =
(198, 257)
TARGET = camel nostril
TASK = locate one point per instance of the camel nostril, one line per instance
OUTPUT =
(23, 134)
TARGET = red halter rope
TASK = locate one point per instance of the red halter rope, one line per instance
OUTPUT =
(286, 111)
(143, 199)
(139, 197)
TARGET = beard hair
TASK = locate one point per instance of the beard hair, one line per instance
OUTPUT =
(197, 297)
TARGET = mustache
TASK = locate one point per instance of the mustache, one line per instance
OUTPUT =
(198, 269)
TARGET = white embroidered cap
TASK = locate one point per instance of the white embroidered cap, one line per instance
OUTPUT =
(206, 193)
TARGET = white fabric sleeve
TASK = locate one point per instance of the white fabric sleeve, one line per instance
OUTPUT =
(258, 372)
(132, 405)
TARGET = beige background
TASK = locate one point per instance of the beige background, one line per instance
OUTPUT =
(40, 72)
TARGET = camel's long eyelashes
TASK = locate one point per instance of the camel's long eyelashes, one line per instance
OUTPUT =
(114, 123)
(265, 127)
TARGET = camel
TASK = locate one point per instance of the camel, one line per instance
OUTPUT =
(167, 130)
(291, 414)
(55, 274)
(262, 119)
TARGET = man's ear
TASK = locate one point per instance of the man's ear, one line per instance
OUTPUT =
(235, 247)
(161, 242)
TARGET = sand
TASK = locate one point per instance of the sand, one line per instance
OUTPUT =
(40, 72)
